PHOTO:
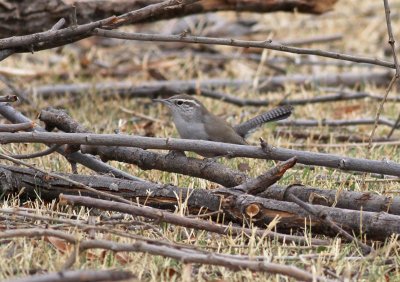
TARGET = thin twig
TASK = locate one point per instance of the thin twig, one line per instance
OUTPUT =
(392, 45)
(392, 82)
(268, 44)
(48, 151)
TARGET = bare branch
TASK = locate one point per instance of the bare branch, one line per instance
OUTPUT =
(218, 148)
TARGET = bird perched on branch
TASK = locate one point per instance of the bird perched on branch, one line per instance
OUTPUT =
(194, 121)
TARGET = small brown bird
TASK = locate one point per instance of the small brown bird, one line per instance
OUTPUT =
(194, 121)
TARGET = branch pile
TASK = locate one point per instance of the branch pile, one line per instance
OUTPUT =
(234, 204)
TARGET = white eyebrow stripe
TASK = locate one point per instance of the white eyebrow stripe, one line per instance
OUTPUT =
(189, 101)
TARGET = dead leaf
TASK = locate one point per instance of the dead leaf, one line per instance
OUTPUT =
(60, 244)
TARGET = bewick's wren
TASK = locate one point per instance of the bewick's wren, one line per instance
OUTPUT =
(194, 121)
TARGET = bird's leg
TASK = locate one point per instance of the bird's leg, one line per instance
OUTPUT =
(176, 153)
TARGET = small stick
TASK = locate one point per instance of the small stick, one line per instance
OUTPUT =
(58, 25)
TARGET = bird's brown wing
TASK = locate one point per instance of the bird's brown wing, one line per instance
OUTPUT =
(220, 131)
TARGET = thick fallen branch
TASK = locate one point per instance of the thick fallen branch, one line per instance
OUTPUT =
(236, 204)
(366, 201)
(375, 226)
(165, 196)
(78, 276)
(13, 179)
(46, 15)
(78, 184)
(232, 150)
(187, 255)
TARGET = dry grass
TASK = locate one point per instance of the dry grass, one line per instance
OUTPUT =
(364, 29)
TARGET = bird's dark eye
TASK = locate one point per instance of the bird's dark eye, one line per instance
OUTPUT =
(179, 103)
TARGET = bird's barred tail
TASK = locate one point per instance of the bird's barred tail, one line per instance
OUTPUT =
(279, 113)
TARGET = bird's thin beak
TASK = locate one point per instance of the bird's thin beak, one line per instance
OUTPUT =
(159, 101)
